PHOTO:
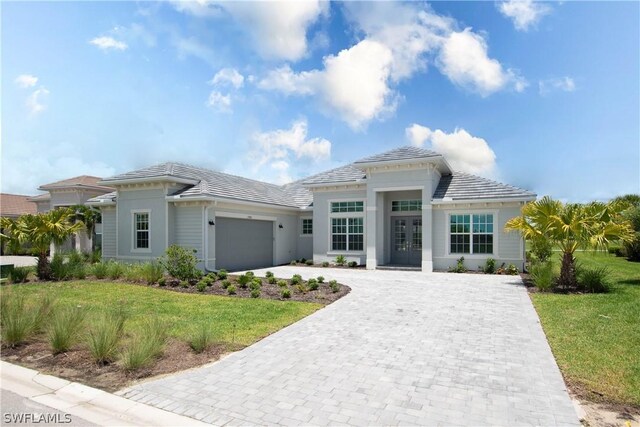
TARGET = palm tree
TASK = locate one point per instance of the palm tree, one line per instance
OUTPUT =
(43, 229)
(8, 235)
(570, 227)
(89, 217)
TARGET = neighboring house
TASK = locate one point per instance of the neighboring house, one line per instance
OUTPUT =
(69, 192)
(403, 207)
(14, 205)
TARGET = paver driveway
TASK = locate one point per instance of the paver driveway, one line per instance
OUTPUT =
(401, 348)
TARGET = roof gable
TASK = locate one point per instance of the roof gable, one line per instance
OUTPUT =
(408, 152)
(77, 181)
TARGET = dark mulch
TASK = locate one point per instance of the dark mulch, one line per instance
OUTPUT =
(77, 364)
(323, 295)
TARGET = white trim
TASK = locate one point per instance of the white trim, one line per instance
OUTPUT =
(133, 230)
(301, 225)
(401, 188)
(210, 199)
(496, 234)
(245, 216)
(355, 214)
(117, 225)
(477, 201)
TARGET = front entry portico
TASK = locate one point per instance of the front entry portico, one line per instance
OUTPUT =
(406, 240)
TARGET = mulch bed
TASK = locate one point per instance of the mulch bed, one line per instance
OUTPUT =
(77, 364)
(323, 295)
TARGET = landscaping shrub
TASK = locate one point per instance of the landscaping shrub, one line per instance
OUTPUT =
(201, 338)
(255, 293)
(341, 260)
(595, 280)
(313, 284)
(59, 269)
(309, 262)
(617, 251)
(180, 263)
(632, 248)
(541, 249)
(459, 267)
(285, 293)
(201, 286)
(144, 346)
(293, 262)
(133, 273)
(489, 266)
(162, 281)
(78, 271)
(512, 270)
(100, 270)
(222, 274)
(243, 280)
(17, 321)
(333, 284)
(152, 272)
(211, 277)
(296, 279)
(19, 274)
(184, 284)
(302, 288)
(353, 264)
(272, 280)
(325, 263)
(43, 311)
(95, 256)
(225, 283)
(255, 284)
(104, 336)
(302, 260)
(543, 275)
(231, 290)
(65, 326)
(320, 279)
(268, 274)
(282, 283)
(115, 270)
(75, 258)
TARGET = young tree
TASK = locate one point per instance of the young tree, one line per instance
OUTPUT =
(42, 229)
(570, 227)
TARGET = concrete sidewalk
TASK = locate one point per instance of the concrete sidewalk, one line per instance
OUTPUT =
(85, 405)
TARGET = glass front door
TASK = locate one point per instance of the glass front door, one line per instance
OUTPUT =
(406, 240)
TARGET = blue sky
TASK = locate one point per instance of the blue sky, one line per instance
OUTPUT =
(545, 96)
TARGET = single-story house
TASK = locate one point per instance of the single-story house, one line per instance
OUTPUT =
(404, 207)
(69, 192)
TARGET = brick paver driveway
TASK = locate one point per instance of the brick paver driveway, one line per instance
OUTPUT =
(401, 348)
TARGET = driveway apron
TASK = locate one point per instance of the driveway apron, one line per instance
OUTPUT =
(403, 348)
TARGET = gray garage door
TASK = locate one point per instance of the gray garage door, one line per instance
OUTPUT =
(243, 244)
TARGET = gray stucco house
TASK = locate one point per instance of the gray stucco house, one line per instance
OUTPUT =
(402, 207)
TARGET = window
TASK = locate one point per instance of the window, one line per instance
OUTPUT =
(471, 234)
(406, 205)
(347, 234)
(337, 207)
(307, 226)
(141, 230)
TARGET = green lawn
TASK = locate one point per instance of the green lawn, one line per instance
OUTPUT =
(239, 320)
(596, 337)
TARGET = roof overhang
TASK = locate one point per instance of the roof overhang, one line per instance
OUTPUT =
(449, 201)
(99, 203)
(159, 178)
(212, 199)
(438, 159)
(335, 183)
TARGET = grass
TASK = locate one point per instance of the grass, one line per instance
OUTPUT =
(596, 337)
(239, 320)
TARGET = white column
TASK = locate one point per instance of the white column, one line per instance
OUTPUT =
(370, 228)
(427, 227)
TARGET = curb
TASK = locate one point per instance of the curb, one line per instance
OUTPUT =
(91, 404)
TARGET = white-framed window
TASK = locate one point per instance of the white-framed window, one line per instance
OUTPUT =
(141, 230)
(307, 226)
(471, 233)
(346, 232)
(406, 205)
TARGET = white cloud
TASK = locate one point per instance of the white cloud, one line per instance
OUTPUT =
(464, 60)
(278, 29)
(565, 84)
(190, 46)
(398, 40)
(35, 101)
(106, 43)
(465, 153)
(277, 149)
(26, 80)
(228, 76)
(219, 102)
(525, 14)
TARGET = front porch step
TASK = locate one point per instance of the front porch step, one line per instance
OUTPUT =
(399, 268)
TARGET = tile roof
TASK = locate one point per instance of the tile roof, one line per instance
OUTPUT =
(109, 197)
(40, 197)
(12, 205)
(464, 186)
(219, 184)
(345, 173)
(76, 181)
(401, 153)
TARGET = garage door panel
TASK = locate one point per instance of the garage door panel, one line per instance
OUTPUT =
(243, 244)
